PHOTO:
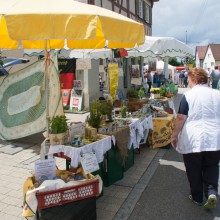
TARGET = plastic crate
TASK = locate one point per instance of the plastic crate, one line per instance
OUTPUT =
(80, 210)
(68, 194)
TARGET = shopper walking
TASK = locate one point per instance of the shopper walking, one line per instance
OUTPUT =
(186, 79)
(149, 80)
(181, 78)
(215, 76)
(196, 135)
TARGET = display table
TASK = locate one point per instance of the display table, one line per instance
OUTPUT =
(160, 136)
(99, 147)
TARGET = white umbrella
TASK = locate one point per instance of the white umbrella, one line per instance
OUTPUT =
(161, 47)
(52, 24)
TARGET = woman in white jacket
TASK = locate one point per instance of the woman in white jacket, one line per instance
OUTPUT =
(196, 135)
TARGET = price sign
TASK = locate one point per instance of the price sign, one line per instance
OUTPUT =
(89, 162)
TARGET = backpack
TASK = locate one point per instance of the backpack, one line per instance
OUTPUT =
(181, 75)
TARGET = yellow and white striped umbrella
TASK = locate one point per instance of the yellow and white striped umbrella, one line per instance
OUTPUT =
(31, 23)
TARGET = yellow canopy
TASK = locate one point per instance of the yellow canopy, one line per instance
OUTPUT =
(60, 22)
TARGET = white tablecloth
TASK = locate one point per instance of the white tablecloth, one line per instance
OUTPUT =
(99, 148)
(139, 129)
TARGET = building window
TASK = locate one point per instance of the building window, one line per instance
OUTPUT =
(212, 63)
(147, 14)
(140, 8)
(209, 55)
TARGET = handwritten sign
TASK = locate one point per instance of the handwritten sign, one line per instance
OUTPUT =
(83, 64)
(89, 162)
(136, 81)
(46, 168)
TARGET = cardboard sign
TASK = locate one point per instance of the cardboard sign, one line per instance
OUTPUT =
(45, 168)
(89, 162)
(136, 81)
(76, 99)
(76, 102)
(83, 64)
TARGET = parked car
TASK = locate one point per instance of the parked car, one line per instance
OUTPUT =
(6, 62)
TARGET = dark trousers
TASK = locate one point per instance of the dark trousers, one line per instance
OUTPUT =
(202, 170)
(149, 86)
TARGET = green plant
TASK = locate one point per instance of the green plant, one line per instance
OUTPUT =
(141, 93)
(106, 108)
(163, 90)
(58, 124)
(155, 90)
(123, 111)
(132, 93)
(95, 116)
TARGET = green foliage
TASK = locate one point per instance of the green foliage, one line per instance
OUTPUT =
(95, 116)
(106, 108)
(163, 90)
(174, 62)
(1, 62)
(141, 93)
(132, 93)
(58, 124)
(123, 111)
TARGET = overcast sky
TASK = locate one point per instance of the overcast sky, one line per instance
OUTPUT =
(198, 21)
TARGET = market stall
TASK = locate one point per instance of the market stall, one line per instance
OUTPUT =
(79, 26)
(160, 136)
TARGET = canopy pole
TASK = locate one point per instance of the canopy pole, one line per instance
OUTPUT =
(46, 87)
(165, 69)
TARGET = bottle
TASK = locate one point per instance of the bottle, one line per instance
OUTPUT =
(44, 149)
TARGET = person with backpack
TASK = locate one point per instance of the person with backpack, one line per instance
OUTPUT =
(181, 79)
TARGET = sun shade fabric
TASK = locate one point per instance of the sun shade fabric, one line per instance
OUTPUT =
(22, 100)
(81, 25)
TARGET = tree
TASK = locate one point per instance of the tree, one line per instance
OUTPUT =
(174, 62)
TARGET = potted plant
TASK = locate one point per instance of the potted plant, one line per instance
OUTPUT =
(106, 108)
(123, 111)
(141, 93)
(95, 117)
(163, 90)
(132, 93)
(58, 130)
(155, 93)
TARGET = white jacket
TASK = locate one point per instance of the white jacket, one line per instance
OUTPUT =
(201, 131)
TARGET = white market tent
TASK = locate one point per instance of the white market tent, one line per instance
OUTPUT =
(77, 53)
(163, 47)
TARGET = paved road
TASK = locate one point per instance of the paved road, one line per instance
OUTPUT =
(166, 195)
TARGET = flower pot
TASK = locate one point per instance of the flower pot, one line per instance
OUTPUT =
(155, 96)
(58, 139)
